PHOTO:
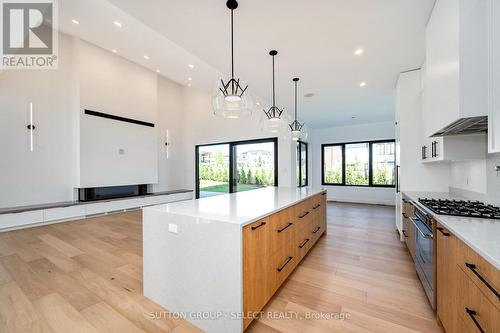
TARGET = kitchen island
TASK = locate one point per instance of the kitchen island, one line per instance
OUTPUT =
(217, 261)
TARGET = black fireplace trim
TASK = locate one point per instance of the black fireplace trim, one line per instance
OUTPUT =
(113, 117)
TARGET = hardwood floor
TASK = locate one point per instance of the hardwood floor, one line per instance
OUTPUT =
(86, 276)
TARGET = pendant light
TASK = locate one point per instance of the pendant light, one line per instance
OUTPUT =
(274, 112)
(296, 126)
(231, 99)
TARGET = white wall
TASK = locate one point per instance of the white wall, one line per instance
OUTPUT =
(46, 174)
(113, 152)
(364, 132)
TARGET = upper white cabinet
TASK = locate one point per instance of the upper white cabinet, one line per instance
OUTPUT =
(494, 76)
(456, 75)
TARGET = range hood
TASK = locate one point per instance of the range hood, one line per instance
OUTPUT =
(465, 126)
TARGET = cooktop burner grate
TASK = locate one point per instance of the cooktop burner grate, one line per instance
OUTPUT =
(462, 208)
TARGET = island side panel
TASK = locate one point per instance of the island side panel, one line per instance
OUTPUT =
(196, 271)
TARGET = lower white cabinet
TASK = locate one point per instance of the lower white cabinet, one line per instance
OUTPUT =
(494, 76)
(20, 219)
(64, 213)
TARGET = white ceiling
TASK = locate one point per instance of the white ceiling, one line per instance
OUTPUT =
(315, 40)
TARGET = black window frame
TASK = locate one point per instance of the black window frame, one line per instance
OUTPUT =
(299, 162)
(232, 145)
(370, 163)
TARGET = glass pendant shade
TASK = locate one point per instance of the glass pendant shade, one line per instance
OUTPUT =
(232, 106)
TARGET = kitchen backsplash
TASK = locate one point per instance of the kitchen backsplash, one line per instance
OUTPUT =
(477, 180)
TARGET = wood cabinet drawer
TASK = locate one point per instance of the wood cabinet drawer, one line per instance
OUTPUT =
(283, 230)
(284, 261)
(482, 273)
(476, 311)
(302, 245)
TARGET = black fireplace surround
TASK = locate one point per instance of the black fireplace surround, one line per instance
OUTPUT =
(111, 192)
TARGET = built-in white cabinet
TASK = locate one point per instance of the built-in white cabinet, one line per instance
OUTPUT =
(456, 75)
(494, 76)
(60, 214)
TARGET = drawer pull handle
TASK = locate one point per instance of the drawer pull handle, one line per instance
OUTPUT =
(284, 265)
(473, 267)
(258, 226)
(316, 230)
(447, 234)
(472, 314)
(404, 234)
(304, 215)
(304, 244)
(317, 206)
(285, 227)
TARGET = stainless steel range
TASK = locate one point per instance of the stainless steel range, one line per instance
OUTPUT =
(462, 208)
(424, 252)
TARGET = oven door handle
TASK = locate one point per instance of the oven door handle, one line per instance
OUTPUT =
(424, 235)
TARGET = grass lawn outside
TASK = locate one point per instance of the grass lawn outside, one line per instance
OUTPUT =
(223, 187)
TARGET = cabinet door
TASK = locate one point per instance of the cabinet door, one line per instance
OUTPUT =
(257, 267)
(446, 278)
(494, 77)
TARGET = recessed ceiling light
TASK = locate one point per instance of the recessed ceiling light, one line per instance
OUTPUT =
(114, 51)
(309, 95)
(158, 71)
(75, 21)
(358, 52)
(118, 24)
(258, 104)
(190, 79)
(146, 57)
(191, 66)
(362, 84)
(189, 84)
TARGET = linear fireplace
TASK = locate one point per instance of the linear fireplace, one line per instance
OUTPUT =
(111, 192)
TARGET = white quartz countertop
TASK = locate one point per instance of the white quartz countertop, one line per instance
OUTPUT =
(482, 235)
(239, 208)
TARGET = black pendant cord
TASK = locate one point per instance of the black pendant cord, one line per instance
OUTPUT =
(274, 91)
(232, 50)
(296, 80)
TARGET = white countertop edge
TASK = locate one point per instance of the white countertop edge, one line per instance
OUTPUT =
(413, 196)
(242, 223)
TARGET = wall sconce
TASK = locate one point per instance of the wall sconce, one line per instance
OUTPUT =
(167, 143)
(31, 127)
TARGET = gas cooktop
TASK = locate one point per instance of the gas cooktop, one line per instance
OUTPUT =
(461, 208)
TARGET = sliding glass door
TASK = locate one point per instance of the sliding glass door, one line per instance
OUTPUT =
(236, 166)
(213, 170)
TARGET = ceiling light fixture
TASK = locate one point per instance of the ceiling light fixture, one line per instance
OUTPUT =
(189, 84)
(362, 84)
(114, 51)
(118, 24)
(191, 66)
(190, 79)
(274, 112)
(146, 57)
(230, 99)
(75, 21)
(158, 71)
(358, 52)
(296, 126)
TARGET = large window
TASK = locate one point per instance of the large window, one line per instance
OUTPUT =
(370, 163)
(302, 158)
(236, 166)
